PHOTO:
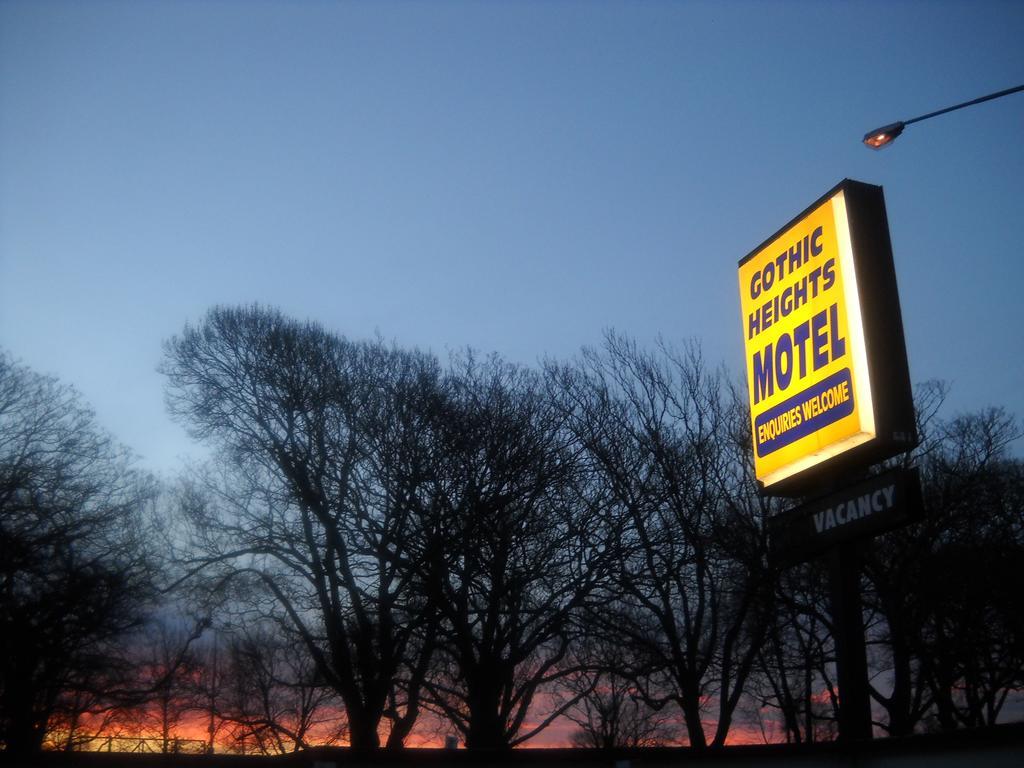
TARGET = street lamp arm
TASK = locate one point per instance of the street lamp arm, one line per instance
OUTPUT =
(991, 96)
(880, 137)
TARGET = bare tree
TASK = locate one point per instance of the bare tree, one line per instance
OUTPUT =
(165, 665)
(75, 572)
(793, 686)
(275, 700)
(300, 514)
(510, 549)
(208, 685)
(944, 593)
(610, 711)
(659, 431)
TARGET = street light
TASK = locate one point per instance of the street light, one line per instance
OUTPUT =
(880, 137)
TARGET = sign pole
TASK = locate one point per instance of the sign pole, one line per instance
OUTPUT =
(830, 396)
(851, 653)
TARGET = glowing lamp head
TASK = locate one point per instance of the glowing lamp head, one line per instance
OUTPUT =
(879, 137)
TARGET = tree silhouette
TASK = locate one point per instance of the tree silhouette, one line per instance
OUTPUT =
(946, 590)
(509, 550)
(274, 699)
(299, 514)
(688, 579)
(609, 710)
(75, 572)
(794, 676)
(165, 663)
(454, 539)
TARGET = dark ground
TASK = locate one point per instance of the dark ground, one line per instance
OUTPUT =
(999, 746)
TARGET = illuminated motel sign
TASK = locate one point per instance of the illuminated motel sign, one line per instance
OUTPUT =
(825, 356)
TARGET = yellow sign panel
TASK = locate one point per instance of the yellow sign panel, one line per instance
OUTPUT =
(807, 364)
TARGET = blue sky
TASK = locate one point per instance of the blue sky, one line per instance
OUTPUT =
(515, 176)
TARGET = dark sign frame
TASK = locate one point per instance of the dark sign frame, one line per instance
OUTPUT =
(891, 391)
